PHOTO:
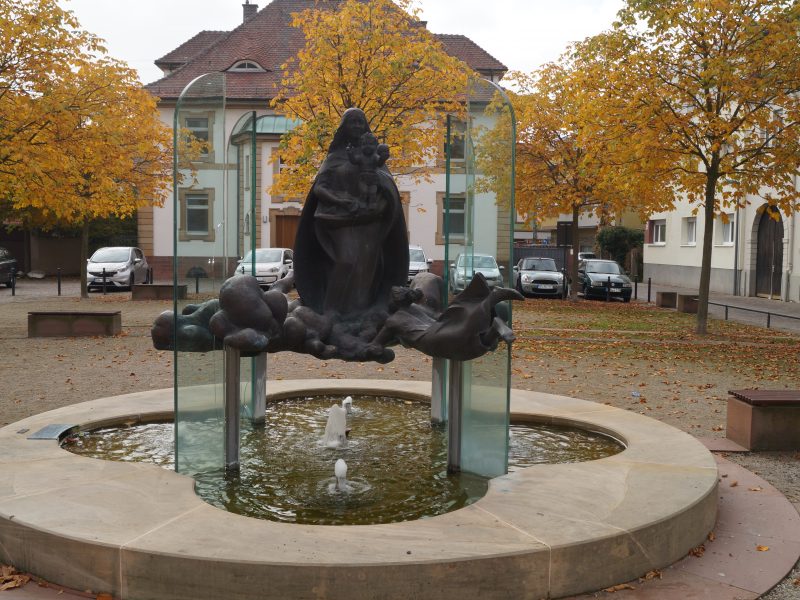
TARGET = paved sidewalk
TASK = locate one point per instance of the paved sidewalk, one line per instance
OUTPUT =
(736, 305)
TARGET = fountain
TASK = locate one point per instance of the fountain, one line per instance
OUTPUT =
(336, 427)
(554, 530)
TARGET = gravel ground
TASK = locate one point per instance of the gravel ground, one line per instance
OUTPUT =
(42, 374)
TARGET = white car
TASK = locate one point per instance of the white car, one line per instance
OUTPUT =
(417, 262)
(466, 265)
(271, 264)
(120, 266)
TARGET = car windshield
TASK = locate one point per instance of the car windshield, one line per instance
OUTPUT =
(264, 255)
(539, 264)
(416, 255)
(477, 262)
(111, 255)
(610, 268)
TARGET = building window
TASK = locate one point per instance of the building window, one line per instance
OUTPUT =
(458, 139)
(196, 215)
(201, 126)
(657, 231)
(247, 66)
(457, 217)
(724, 230)
(689, 231)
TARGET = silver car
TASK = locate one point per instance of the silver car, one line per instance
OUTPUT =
(466, 265)
(271, 264)
(538, 276)
(123, 266)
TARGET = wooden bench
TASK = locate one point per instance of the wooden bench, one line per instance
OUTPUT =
(666, 299)
(157, 291)
(764, 419)
(74, 323)
(687, 303)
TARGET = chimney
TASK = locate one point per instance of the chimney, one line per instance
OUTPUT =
(248, 10)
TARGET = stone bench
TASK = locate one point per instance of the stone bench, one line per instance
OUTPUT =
(764, 419)
(74, 323)
(157, 291)
(666, 299)
(687, 303)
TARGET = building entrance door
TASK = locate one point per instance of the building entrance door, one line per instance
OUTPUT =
(285, 230)
(769, 254)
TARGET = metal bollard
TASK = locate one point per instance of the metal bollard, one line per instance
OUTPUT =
(14, 281)
(58, 280)
(197, 285)
(636, 288)
(768, 318)
(649, 284)
(608, 289)
(564, 293)
(104, 281)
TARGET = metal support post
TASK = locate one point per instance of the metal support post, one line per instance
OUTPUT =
(13, 281)
(58, 280)
(232, 404)
(636, 288)
(197, 285)
(438, 398)
(454, 417)
(608, 289)
(649, 285)
(259, 389)
(104, 281)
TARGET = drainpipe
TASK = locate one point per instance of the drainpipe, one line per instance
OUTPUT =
(787, 276)
(736, 253)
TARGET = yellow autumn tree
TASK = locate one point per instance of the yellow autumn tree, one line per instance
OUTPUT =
(706, 95)
(376, 56)
(80, 137)
(559, 170)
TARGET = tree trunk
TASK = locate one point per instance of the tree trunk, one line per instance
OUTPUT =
(708, 238)
(84, 257)
(576, 247)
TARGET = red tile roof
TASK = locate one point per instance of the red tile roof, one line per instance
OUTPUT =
(269, 39)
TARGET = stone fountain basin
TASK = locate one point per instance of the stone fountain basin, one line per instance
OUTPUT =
(139, 531)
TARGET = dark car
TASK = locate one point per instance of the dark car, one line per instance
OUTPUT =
(604, 278)
(8, 265)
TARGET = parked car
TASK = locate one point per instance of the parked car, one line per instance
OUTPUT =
(8, 265)
(586, 255)
(124, 266)
(272, 264)
(466, 265)
(538, 277)
(417, 262)
(596, 275)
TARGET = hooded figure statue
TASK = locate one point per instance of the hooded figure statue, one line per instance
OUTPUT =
(351, 245)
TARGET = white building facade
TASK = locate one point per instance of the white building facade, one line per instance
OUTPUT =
(756, 251)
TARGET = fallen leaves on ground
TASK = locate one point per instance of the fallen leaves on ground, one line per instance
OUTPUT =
(10, 578)
(762, 548)
(654, 574)
(619, 588)
(755, 488)
(697, 552)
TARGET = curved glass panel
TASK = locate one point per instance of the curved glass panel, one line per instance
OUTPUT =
(479, 222)
(203, 252)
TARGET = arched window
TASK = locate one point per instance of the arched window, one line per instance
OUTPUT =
(246, 66)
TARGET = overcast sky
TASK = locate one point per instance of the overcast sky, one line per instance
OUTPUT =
(522, 34)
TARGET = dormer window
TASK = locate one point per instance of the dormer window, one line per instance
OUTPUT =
(247, 66)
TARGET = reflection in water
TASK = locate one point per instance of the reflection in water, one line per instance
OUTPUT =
(396, 462)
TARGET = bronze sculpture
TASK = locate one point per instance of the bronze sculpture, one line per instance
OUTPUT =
(350, 270)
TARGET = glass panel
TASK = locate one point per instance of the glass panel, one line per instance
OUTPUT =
(485, 245)
(203, 259)
(242, 159)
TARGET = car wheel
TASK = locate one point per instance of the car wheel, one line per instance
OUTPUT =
(132, 282)
(585, 292)
(626, 298)
(519, 288)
